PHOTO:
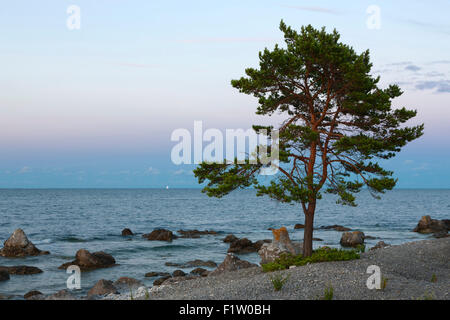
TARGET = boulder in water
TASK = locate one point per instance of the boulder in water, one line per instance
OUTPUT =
(127, 232)
(352, 239)
(91, 261)
(21, 270)
(4, 275)
(18, 245)
(160, 235)
(428, 225)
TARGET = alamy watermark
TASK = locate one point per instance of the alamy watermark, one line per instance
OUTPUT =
(73, 21)
(373, 21)
(242, 145)
(74, 280)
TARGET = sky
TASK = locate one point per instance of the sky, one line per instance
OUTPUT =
(96, 106)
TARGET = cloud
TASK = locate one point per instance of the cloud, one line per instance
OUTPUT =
(313, 9)
(442, 86)
(412, 67)
(25, 170)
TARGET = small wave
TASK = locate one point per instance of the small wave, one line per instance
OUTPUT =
(45, 241)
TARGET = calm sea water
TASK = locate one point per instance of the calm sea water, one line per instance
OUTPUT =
(64, 221)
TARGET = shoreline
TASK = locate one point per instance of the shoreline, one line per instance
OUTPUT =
(409, 269)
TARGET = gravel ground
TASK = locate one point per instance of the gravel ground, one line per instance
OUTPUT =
(408, 268)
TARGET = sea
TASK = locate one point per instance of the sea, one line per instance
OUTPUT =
(63, 221)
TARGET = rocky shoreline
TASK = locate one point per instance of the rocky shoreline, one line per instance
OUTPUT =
(415, 270)
(18, 245)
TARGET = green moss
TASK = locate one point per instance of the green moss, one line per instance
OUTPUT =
(323, 254)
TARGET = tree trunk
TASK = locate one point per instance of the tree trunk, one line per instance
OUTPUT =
(308, 232)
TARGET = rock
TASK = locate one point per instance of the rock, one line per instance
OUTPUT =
(21, 270)
(4, 275)
(127, 232)
(160, 281)
(336, 227)
(230, 238)
(440, 234)
(18, 245)
(231, 263)
(126, 284)
(428, 225)
(61, 295)
(179, 279)
(242, 246)
(200, 271)
(160, 235)
(380, 245)
(32, 295)
(90, 261)
(178, 273)
(195, 233)
(281, 244)
(258, 244)
(102, 287)
(157, 274)
(317, 239)
(193, 263)
(369, 237)
(352, 239)
(299, 226)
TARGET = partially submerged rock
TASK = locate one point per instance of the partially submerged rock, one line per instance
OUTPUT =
(4, 275)
(161, 280)
(193, 263)
(230, 238)
(438, 227)
(200, 271)
(33, 295)
(281, 244)
(160, 235)
(90, 261)
(195, 233)
(127, 232)
(21, 270)
(299, 226)
(18, 245)
(178, 273)
(244, 245)
(231, 263)
(157, 274)
(102, 287)
(352, 239)
(335, 227)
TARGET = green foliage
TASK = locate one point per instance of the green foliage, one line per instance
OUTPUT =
(278, 281)
(323, 254)
(384, 282)
(433, 278)
(328, 293)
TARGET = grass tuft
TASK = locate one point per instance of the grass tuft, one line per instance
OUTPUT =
(322, 254)
(278, 281)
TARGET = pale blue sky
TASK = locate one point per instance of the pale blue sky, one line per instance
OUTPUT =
(95, 107)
